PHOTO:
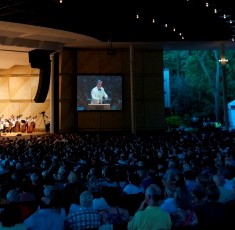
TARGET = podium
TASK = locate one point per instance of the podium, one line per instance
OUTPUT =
(98, 106)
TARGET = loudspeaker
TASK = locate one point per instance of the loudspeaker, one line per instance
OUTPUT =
(41, 59)
(44, 83)
(38, 58)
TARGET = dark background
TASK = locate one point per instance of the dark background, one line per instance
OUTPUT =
(115, 20)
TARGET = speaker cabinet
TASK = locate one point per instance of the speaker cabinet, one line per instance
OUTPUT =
(41, 59)
(38, 58)
(44, 83)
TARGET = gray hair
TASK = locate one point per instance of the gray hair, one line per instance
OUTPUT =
(154, 191)
(86, 199)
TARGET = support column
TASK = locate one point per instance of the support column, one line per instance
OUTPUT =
(52, 99)
(133, 126)
(223, 62)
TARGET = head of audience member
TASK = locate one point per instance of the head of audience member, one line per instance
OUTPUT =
(72, 177)
(92, 174)
(56, 199)
(212, 193)
(219, 180)
(48, 193)
(53, 198)
(199, 194)
(34, 178)
(13, 196)
(170, 188)
(183, 198)
(203, 179)
(86, 199)
(134, 179)
(153, 195)
(110, 174)
(112, 195)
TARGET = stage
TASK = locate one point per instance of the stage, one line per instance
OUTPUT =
(21, 134)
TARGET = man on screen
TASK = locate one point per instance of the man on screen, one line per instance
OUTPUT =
(98, 93)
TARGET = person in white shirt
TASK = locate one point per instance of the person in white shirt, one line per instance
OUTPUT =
(98, 93)
(134, 185)
(49, 215)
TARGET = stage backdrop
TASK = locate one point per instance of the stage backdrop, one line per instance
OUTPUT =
(18, 87)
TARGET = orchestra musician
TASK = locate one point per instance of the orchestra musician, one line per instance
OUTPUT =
(31, 125)
(7, 127)
(13, 124)
(1, 124)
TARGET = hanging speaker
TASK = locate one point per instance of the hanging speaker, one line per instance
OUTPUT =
(41, 59)
(38, 58)
(44, 83)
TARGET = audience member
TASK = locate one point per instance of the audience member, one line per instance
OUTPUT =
(226, 195)
(212, 214)
(48, 216)
(170, 156)
(149, 215)
(184, 216)
(84, 218)
(113, 214)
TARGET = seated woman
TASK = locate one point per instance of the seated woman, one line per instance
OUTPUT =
(184, 216)
(114, 215)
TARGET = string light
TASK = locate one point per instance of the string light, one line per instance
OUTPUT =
(207, 4)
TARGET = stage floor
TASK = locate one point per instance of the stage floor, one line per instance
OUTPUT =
(21, 135)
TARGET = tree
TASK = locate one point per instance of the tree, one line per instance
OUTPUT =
(195, 78)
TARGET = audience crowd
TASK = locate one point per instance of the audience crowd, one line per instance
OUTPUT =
(68, 181)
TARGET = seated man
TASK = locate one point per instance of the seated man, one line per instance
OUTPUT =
(85, 217)
(50, 214)
(149, 214)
